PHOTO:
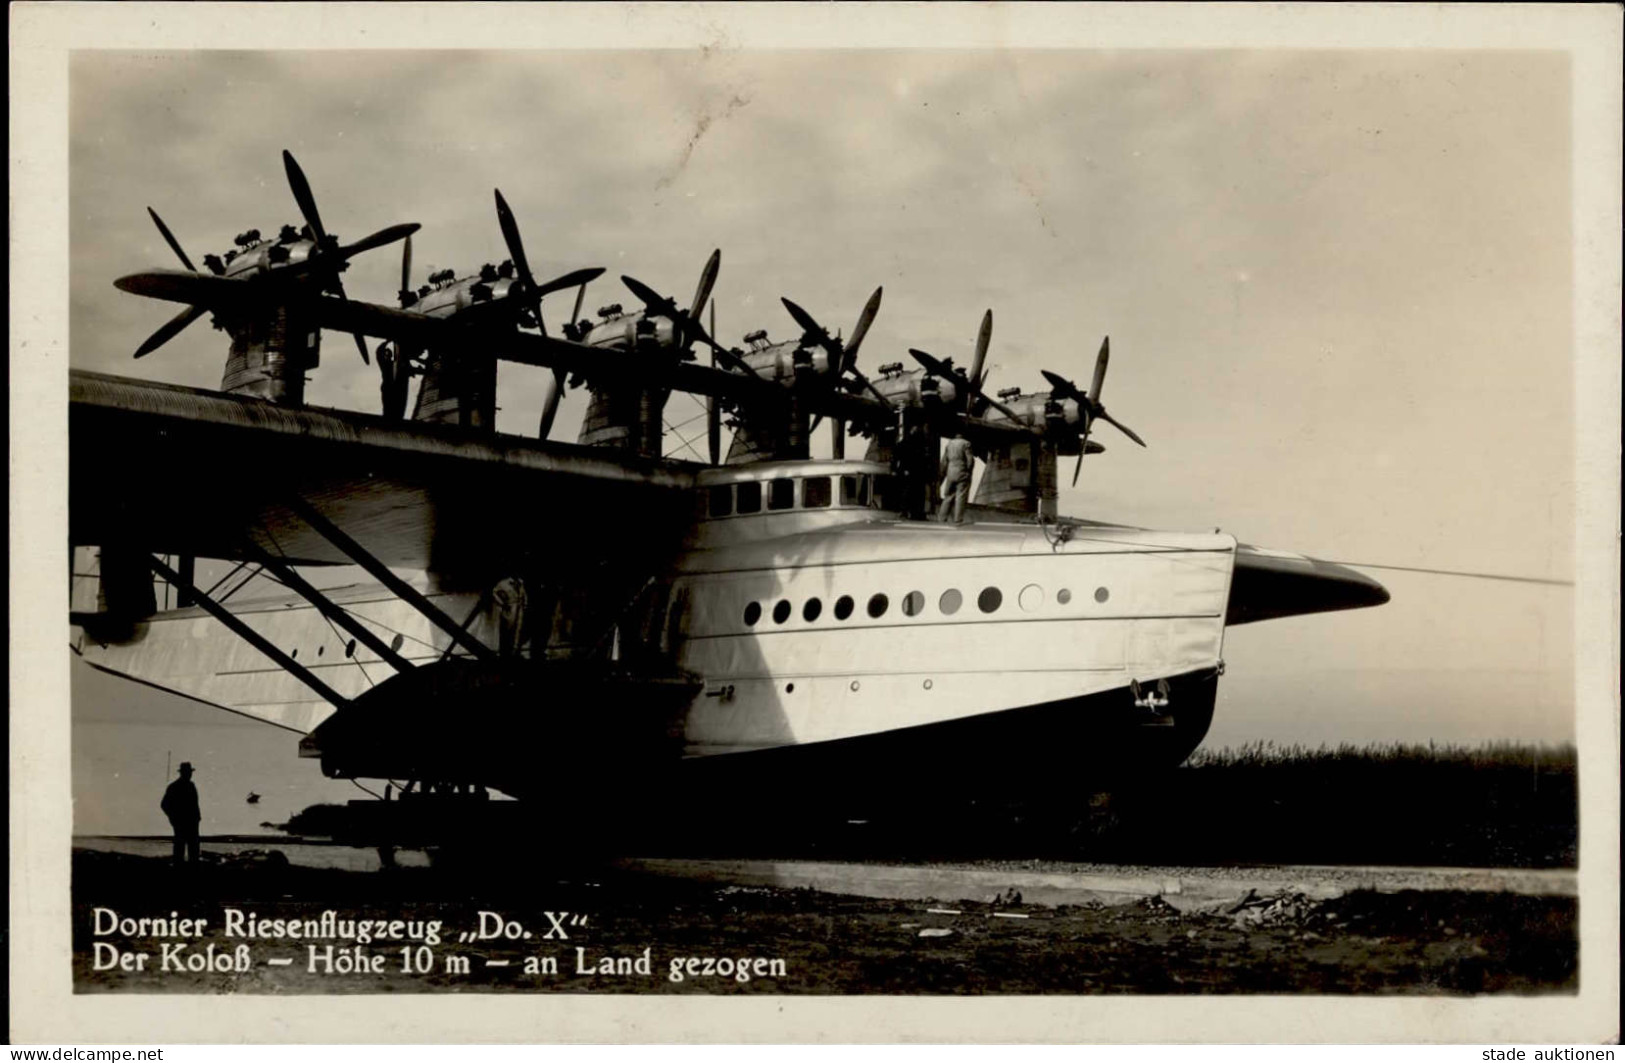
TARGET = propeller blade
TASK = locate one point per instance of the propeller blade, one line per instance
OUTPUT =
(708, 279)
(510, 236)
(805, 320)
(575, 278)
(302, 196)
(932, 364)
(406, 266)
(713, 408)
(1079, 466)
(379, 239)
(360, 343)
(979, 360)
(581, 293)
(171, 329)
(1100, 370)
(1120, 426)
(1061, 385)
(651, 299)
(860, 330)
(169, 238)
(867, 383)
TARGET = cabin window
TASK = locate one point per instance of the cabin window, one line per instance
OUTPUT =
(810, 611)
(1063, 596)
(753, 613)
(843, 607)
(750, 498)
(878, 605)
(781, 494)
(721, 500)
(854, 490)
(815, 492)
(1101, 594)
(781, 612)
(950, 602)
(990, 599)
(913, 603)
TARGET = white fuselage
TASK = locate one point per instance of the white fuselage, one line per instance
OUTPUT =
(815, 614)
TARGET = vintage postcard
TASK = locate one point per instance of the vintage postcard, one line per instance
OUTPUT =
(814, 523)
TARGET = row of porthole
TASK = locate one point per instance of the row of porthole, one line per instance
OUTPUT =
(913, 604)
(349, 647)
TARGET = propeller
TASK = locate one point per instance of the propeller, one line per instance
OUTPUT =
(687, 322)
(844, 356)
(175, 325)
(531, 292)
(945, 370)
(328, 247)
(1090, 403)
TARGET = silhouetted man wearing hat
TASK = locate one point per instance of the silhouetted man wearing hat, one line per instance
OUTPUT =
(180, 805)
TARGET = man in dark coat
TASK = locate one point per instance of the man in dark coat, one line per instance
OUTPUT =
(180, 805)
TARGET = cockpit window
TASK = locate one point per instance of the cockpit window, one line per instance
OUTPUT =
(781, 494)
(750, 498)
(721, 501)
(854, 490)
(815, 492)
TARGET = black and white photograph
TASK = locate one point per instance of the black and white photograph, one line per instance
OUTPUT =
(933, 509)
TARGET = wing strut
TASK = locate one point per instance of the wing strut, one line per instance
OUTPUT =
(249, 635)
(335, 613)
(399, 587)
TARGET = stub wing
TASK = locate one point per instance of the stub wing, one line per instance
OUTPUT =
(1273, 583)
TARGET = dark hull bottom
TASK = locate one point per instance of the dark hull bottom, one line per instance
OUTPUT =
(1051, 756)
(1071, 747)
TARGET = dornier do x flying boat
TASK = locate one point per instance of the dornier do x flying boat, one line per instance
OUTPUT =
(595, 607)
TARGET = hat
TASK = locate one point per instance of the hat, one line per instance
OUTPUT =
(185, 768)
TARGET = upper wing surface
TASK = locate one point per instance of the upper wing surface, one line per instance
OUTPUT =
(176, 470)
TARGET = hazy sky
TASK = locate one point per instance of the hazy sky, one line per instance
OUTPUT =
(1337, 283)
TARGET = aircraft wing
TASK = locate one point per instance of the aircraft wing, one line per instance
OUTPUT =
(176, 470)
(595, 364)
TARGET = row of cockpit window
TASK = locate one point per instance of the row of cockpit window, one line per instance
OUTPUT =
(785, 492)
(912, 604)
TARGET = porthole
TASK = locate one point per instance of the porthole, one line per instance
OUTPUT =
(927, 684)
(877, 605)
(320, 650)
(789, 688)
(1031, 598)
(753, 613)
(843, 607)
(913, 603)
(1101, 594)
(295, 653)
(1063, 596)
(781, 611)
(811, 610)
(854, 686)
(349, 648)
(950, 602)
(989, 600)
(397, 642)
